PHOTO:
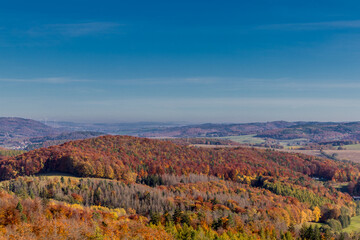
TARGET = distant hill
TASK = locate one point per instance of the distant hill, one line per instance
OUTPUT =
(20, 133)
(118, 157)
(280, 130)
(20, 127)
(14, 132)
(217, 130)
(316, 131)
(133, 128)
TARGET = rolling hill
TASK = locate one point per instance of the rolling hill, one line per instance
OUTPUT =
(114, 156)
(20, 127)
(118, 187)
(15, 132)
(280, 130)
(29, 134)
(217, 130)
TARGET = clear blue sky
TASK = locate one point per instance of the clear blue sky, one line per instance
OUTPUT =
(195, 61)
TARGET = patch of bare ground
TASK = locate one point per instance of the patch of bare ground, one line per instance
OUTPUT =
(212, 146)
(351, 155)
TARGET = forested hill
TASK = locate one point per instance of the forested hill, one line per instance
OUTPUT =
(172, 191)
(125, 158)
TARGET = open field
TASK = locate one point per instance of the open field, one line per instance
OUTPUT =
(212, 146)
(350, 155)
(292, 142)
(56, 174)
(352, 147)
(354, 226)
(244, 139)
(251, 139)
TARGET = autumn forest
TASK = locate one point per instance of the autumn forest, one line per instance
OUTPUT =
(122, 187)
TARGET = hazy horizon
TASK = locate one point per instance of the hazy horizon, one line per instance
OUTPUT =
(50, 122)
(191, 61)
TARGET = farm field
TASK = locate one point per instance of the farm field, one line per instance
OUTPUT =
(251, 139)
(244, 139)
(352, 147)
(292, 143)
(212, 146)
(350, 155)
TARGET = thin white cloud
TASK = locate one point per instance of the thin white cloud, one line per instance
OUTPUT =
(50, 80)
(234, 82)
(324, 85)
(167, 81)
(75, 29)
(226, 102)
(314, 25)
(290, 84)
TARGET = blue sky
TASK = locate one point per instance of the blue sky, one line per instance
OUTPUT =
(194, 61)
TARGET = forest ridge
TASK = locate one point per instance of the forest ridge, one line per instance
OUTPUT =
(171, 191)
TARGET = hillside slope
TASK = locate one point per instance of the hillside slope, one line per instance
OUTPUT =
(119, 157)
(217, 130)
(15, 132)
(279, 130)
(175, 190)
(20, 127)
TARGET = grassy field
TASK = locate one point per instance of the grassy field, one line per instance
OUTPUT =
(354, 226)
(351, 155)
(316, 224)
(352, 147)
(212, 146)
(292, 143)
(56, 174)
(244, 139)
(251, 139)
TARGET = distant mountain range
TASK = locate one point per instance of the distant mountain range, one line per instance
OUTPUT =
(46, 141)
(19, 127)
(115, 128)
(29, 134)
(218, 130)
(279, 130)
(14, 132)
(19, 133)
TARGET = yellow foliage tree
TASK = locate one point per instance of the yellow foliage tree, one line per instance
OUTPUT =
(316, 214)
